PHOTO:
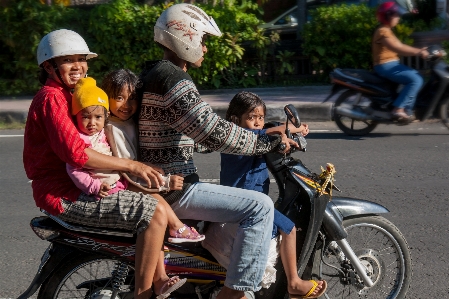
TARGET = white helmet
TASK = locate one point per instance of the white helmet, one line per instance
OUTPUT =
(181, 27)
(61, 43)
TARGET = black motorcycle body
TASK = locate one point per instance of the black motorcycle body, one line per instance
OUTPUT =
(342, 240)
(367, 98)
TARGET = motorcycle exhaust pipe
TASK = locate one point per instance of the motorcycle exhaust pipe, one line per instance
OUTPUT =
(351, 113)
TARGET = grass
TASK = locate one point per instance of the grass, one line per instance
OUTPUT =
(9, 122)
(11, 126)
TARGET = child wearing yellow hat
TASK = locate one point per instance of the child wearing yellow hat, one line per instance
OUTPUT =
(90, 108)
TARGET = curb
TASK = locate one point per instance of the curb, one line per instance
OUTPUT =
(307, 112)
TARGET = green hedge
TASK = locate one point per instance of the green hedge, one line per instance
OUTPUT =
(121, 32)
(340, 36)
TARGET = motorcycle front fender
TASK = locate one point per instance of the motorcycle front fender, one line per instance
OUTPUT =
(352, 206)
(343, 207)
(50, 261)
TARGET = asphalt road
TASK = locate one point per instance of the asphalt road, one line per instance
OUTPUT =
(402, 168)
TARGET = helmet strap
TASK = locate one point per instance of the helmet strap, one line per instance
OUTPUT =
(58, 73)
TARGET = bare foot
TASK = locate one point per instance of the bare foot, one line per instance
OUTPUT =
(302, 287)
(227, 293)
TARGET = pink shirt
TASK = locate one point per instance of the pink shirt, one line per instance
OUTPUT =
(90, 180)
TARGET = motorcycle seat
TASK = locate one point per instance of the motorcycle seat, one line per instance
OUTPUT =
(358, 75)
(89, 229)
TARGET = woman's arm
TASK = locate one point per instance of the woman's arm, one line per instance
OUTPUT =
(100, 161)
(394, 44)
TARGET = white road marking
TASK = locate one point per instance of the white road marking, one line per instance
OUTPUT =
(11, 136)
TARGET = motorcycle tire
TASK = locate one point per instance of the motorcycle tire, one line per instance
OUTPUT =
(85, 276)
(444, 112)
(350, 126)
(382, 249)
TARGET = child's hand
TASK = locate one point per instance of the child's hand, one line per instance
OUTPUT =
(104, 189)
(303, 129)
(176, 182)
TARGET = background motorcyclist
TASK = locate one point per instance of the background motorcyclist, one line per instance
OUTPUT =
(386, 48)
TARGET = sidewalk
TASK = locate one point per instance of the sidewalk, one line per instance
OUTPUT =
(306, 99)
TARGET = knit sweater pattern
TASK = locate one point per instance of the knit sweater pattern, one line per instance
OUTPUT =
(173, 118)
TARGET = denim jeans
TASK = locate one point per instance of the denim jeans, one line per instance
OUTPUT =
(406, 76)
(244, 219)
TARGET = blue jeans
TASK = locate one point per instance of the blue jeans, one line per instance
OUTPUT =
(240, 218)
(406, 76)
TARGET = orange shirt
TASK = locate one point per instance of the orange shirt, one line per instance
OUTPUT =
(382, 54)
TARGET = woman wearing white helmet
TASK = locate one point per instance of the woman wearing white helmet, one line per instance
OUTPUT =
(52, 141)
(173, 118)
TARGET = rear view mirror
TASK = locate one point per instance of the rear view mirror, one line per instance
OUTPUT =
(292, 115)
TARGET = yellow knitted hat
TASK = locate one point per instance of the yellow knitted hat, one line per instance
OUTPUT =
(88, 94)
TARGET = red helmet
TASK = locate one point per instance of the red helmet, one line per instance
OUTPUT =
(386, 10)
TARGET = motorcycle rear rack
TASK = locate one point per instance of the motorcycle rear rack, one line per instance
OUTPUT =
(89, 229)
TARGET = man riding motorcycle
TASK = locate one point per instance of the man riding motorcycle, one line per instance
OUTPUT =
(173, 118)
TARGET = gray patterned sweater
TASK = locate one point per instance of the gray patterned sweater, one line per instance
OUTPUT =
(173, 118)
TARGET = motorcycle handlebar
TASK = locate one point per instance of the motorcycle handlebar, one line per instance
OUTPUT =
(435, 52)
(298, 138)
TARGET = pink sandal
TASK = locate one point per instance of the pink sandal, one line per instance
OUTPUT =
(180, 235)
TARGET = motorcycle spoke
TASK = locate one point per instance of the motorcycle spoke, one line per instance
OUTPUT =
(85, 278)
(353, 101)
(382, 256)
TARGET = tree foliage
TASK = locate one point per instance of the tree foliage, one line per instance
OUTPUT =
(121, 32)
(340, 36)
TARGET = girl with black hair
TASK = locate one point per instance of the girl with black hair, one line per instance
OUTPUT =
(247, 110)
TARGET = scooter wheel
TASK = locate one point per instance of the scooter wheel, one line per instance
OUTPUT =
(444, 112)
(348, 125)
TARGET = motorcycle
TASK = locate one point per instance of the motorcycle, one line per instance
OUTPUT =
(367, 98)
(342, 240)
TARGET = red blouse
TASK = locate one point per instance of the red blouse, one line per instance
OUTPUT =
(52, 140)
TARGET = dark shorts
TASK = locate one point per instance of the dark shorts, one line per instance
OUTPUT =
(281, 223)
(125, 210)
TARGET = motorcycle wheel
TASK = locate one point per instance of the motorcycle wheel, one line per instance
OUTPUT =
(444, 113)
(382, 249)
(85, 277)
(349, 125)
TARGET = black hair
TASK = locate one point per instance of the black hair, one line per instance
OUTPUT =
(114, 82)
(43, 75)
(242, 103)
